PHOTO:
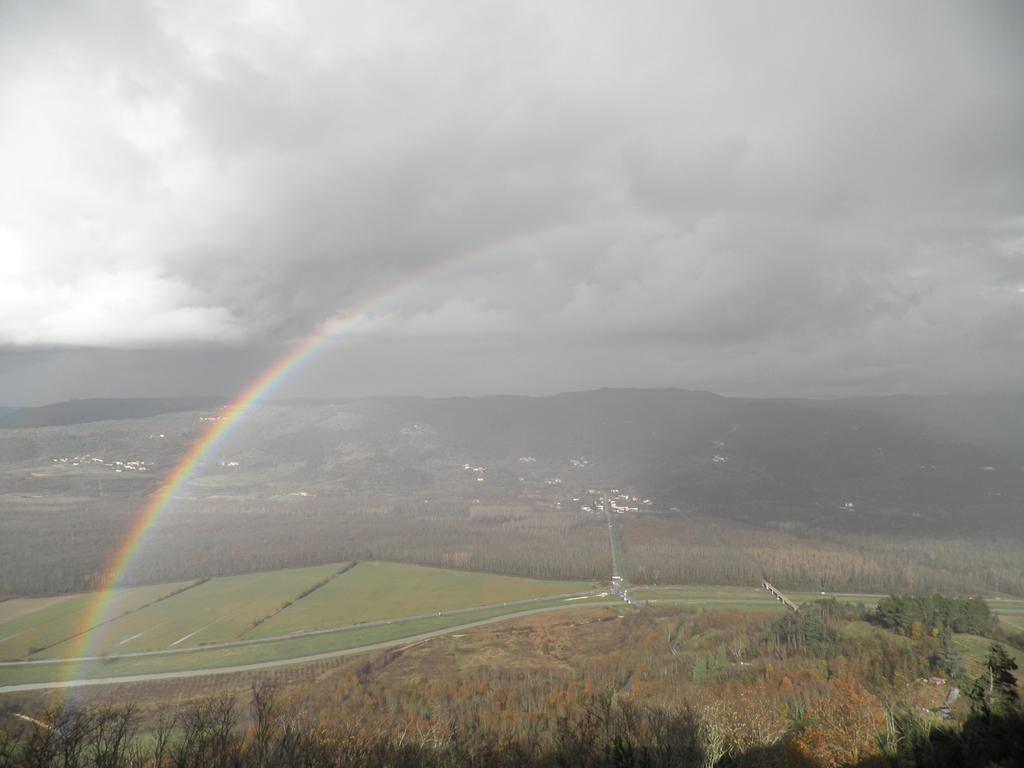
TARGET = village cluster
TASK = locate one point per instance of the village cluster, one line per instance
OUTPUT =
(593, 501)
(616, 500)
(132, 465)
(478, 471)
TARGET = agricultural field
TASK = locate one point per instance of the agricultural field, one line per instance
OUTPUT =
(375, 591)
(16, 607)
(215, 611)
(1013, 620)
(1010, 612)
(256, 655)
(739, 598)
(166, 622)
(272, 617)
(56, 620)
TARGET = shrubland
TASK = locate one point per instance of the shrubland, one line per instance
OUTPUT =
(654, 687)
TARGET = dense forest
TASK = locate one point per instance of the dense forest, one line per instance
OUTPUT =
(228, 538)
(598, 735)
(934, 614)
(225, 536)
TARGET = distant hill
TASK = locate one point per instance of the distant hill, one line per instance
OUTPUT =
(104, 409)
(994, 419)
(920, 464)
(5, 411)
(908, 463)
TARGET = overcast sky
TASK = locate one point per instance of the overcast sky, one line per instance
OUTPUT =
(760, 198)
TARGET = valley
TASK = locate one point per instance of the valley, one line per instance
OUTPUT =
(512, 565)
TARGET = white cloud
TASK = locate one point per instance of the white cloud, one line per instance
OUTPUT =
(128, 307)
(697, 179)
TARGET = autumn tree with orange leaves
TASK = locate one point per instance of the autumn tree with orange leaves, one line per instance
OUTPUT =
(842, 729)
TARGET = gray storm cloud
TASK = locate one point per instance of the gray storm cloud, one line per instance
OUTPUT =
(744, 196)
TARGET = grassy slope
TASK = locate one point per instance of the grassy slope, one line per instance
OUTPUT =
(975, 648)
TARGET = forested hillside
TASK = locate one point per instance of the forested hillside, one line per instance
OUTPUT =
(98, 409)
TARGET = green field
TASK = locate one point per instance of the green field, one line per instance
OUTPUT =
(1010, 612)
(226, 609)
(1014, 621)
(275, 650)
(179, 627)
(216, 611)
(17, 607)
(374, 591)
(740, 598)
(59, 620)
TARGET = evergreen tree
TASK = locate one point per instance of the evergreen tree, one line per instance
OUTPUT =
(947, 659)
(1002, 685)
(995, 691)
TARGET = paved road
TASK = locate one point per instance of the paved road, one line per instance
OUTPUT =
(615, 539)
(398, 642)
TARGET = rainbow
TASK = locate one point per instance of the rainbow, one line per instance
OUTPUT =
(268, 382)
